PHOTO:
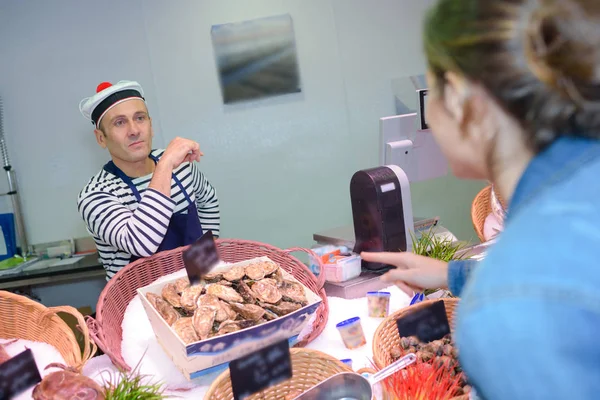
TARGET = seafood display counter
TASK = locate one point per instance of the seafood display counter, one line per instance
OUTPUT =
(142, 347)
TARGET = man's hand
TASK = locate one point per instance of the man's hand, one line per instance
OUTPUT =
(180, 150)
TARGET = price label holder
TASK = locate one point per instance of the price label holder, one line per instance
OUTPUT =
(18, 374)
(264, 368)
(428, 323)
(200, 257)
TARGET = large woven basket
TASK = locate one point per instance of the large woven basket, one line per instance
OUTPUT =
(309, 368)
(23, 318)
(106, 330)
(387, 338)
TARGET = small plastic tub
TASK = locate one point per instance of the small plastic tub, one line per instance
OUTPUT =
(379, 304)
(352, 333)
(348, 362)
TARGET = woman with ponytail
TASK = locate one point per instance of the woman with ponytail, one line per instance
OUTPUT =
(515, 98)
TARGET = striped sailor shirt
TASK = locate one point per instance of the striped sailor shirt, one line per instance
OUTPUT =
(122, 227)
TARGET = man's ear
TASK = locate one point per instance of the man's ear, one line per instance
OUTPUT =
(100, 138)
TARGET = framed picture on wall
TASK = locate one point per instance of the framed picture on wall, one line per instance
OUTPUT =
(256, 59)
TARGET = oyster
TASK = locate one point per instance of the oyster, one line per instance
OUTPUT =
(246, 323)
(169, 314)
(228, 327)
(169, 293)
(248, 311)
(255, 271)
(190, 295)
(266, 290)
(224, 311)
(270, 315)
(185, 330)
(203, 320)
(224, 293)
(294, 292)
(283, 308)
(181, 284)
(152, 299)
(270, 281)
(278, 276)
(242, 324)
(213, 276)
(270, 267)
(225, 283)
(246, 293)
(234, 274)
(227, 307)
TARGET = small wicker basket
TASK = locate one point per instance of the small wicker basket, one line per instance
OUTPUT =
(23, 318)
(387, 338)
(480, 209)
(486, 202)
(309, 368)
(106, 330)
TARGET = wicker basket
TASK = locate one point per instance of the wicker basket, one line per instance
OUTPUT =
(309, 368)
(482, 206)
(386, 336)
(23, 318)
(480, 209)
(121, 289)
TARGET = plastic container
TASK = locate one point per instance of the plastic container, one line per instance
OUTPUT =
(347, 361)
(352, 333)
(379, 304)
(326, 254)
(343, 268)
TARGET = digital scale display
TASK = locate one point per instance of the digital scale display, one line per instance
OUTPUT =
(421, 109)
(388, 187)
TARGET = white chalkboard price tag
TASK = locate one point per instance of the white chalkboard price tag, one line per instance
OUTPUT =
(428, 323)
(257, 371)
(200, 257)
(18, 374)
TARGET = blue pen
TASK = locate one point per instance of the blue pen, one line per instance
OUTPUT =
(417, 298)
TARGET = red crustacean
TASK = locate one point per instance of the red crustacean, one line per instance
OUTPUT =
(67, 384)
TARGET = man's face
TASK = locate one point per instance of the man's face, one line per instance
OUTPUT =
(126, 131)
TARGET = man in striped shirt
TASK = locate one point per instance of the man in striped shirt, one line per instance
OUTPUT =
(143, 201)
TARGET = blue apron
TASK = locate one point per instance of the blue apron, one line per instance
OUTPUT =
(183, 228)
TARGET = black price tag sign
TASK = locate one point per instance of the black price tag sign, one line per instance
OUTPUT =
(18, 374)
(428, 323)
(200, 257)
(260, 370)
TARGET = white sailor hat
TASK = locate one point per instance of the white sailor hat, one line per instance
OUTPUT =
(107, 96)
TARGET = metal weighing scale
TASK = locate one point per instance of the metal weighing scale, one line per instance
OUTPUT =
(368, 280)
(381, 200)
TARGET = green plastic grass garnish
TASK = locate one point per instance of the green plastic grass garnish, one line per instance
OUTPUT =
(133, 386)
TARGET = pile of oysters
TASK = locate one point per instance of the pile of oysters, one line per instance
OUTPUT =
(228, 301)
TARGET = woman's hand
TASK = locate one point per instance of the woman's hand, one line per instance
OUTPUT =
(413, 272)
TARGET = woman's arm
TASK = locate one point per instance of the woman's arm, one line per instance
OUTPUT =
(458, 274)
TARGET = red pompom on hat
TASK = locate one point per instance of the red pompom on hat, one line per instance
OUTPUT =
(102, 86)
(107, 96)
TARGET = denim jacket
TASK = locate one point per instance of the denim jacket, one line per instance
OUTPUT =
(528, 324)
